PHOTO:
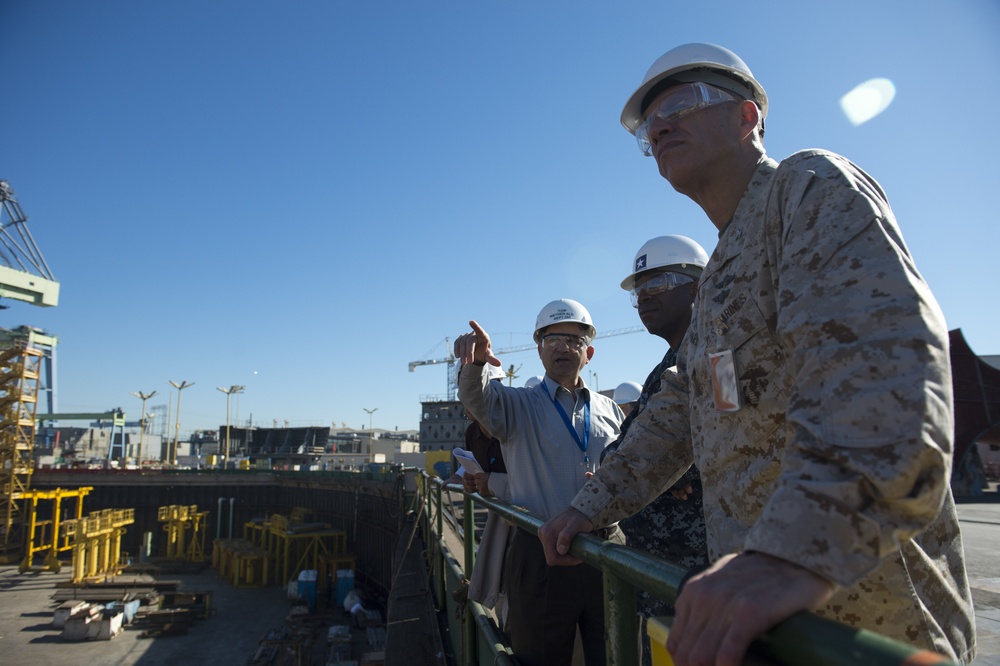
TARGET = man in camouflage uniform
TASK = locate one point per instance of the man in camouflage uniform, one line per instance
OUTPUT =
(662, 286)
(814, 385)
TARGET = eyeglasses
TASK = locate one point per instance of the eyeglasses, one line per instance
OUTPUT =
(658, 284)
(565, 340)
(678, 102)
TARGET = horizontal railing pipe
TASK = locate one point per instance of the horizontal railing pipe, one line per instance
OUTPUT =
(803, 639)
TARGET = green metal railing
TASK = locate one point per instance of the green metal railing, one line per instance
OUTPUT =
(804, 639)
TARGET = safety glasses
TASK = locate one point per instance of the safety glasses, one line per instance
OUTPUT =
(678, 102)
(658, 284)
(564, 341)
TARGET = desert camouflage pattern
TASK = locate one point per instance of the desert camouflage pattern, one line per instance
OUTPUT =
(671, 528)
(840, 455)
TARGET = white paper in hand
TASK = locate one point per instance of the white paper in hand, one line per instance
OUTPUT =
(468, 461)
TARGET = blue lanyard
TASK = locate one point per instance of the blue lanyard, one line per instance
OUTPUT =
(569, 424)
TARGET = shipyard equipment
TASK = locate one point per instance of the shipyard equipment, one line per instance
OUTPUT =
(18, 404)
(185, 528)
(97, 542)
(24, 276)
(48, 536)
(452, 362)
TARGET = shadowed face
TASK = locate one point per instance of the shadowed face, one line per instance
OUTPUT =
(665, 311)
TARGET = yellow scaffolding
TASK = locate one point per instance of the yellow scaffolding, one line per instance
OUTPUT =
(19, 373)
(44, 535)
(97, 541)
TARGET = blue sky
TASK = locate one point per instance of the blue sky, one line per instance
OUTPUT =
(303, 197)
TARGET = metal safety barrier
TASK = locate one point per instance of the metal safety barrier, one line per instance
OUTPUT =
(804, 639)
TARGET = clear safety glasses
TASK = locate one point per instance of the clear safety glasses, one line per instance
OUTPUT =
(659, 284)
(564, 341)
(678, 102)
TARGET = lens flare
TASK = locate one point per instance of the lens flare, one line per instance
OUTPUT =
(867, 100)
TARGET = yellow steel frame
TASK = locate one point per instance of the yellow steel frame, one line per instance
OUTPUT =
(180, 520)
(240, 562)
(97, 542)
(44, 535)
(19, 373)
(298, 551)
(196, 544)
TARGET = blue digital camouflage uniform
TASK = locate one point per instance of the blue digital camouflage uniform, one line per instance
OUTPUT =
(839, 456)
(673, 529)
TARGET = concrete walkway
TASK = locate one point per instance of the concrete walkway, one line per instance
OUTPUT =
(980, 522)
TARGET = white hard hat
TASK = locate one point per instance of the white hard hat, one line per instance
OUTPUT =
(689, 63)
(533, 381)
(627, 392)
(678, 253)
(564, 310)
(495, 371)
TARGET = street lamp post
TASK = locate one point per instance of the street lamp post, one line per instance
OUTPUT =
(371, 454)
(142, 433)
(229, 393)
(177, 424)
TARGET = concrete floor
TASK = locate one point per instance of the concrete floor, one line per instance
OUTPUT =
(242, 618)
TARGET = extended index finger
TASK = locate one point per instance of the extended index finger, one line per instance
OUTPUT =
(478, 330)
(483, 344)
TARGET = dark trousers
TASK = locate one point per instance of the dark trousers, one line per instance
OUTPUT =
(546, 604)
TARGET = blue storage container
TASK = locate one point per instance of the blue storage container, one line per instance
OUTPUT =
(345, 583)
(307, 587)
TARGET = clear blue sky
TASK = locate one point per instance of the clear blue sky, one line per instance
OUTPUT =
(302, 197)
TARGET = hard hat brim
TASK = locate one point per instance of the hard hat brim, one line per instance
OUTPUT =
(686, 269)
(727, 72)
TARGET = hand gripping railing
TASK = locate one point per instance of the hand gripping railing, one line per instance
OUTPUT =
(804, 639)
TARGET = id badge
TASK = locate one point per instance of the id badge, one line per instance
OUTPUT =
(725, 387)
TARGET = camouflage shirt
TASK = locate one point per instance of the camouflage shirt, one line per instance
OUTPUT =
(838, 457)
(673, 529)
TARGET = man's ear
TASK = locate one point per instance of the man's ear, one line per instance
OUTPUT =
(590, 353)
(749, 118)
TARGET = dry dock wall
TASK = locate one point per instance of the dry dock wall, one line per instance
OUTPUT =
(368, 507)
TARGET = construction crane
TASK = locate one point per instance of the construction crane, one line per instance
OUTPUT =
(452, 362)
(24, 275)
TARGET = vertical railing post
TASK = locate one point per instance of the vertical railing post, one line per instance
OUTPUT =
(469, 541)
(439, 552)
(621, 624)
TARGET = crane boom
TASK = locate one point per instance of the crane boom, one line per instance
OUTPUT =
(452, 361)
(24, 275)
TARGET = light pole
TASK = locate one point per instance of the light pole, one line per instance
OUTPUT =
(177, 424)
(229, 393)
(142, 433)
(371, 454)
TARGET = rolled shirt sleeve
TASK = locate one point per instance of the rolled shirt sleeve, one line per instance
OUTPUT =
(654, 452)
